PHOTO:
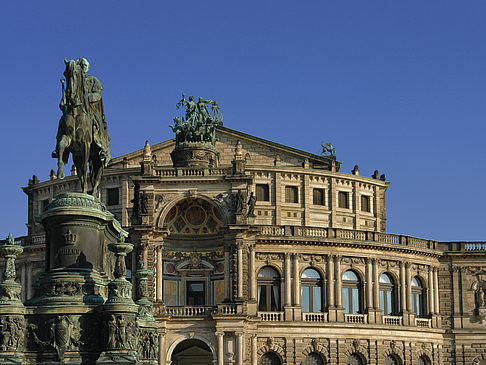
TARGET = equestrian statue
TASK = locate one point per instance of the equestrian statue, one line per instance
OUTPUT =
(82, 128)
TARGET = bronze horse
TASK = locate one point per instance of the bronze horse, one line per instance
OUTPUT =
(75, 133)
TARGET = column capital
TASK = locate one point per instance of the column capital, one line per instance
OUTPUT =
(219, 334)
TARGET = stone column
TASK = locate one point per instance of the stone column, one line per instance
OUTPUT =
(219, 335)
(376, 284)
(227, 275)
(369, 285)
(159, 274)
(409, 287)
(254, 349)
(253, 288)
(436, 290)
(296, 280)
(239, 344)
(240, 269)
(330, 281)
(339, 281)
(431, 291)
(162, 350)
(403, 292)
(29, 281)
(23, 282)
(287, 301)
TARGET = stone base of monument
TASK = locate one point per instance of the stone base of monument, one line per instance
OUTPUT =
(82, 311)
(195, 155)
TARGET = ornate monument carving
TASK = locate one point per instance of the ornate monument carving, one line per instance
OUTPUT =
(196, 133)
(82, 128)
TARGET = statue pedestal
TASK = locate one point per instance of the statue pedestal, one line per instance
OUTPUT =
(194, 155)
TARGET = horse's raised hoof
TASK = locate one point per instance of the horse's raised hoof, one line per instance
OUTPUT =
(60, 174)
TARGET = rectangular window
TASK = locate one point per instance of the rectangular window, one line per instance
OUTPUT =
(318, 197)
(291, 194)
(112, 196)
(365, 203)
(343, 199)
(262, 193)
(195, 293)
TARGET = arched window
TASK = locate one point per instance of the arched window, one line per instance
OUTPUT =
(311, 291)
(313, 359)
(355, 359)
(351, 292)
(387, 295)
(418, 298)
(268, 289)
(392, 360)
(270, 358)
(423, 360)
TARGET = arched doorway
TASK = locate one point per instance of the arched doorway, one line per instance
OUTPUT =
(192, 352)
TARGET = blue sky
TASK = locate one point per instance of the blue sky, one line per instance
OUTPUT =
(397, 86)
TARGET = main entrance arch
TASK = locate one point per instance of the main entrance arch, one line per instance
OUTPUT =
(192, 352)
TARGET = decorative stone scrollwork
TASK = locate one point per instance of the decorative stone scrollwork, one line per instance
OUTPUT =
(271, 345)
(423, 348)
(395, 348)
(357, 346)
(56, 289)
(321, 346)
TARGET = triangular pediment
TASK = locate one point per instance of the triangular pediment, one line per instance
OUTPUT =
(257, 151)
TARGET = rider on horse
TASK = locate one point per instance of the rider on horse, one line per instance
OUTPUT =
(92, 87)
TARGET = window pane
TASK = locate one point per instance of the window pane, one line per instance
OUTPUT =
(318, 197)
(268, 272)
(112, 196)
(385, 278)
(382, 301)
(350, 275)
(262, 301)
(355, 300)
(262, 192)
(313, 359)
(305, 298)
(343, 199)
(388, 303)
(365, 203)
(275, 298)
(291, 194)
(346, 300)
(311, 273)
(415, 282)
(316, 297)
(270, 359)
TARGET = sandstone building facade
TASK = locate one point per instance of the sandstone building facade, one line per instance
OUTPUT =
(311, 277)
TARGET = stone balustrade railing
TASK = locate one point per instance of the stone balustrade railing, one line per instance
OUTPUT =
(392, 320)
(423, 322)
(463, 246)
(191, 171)
(314, 317)
(188, 311)
(347, 234)
(355, 318)
(271, 316)
(26, 240)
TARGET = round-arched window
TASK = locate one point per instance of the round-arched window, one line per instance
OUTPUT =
(351, 292)
(355, 359)
(387, 295)
(268, 289)
(311, 291)
(423, 360)
(313, 359)
(270, 358)
(418, 297)
(392, 360)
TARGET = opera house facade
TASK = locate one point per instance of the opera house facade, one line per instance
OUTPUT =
(265, 254)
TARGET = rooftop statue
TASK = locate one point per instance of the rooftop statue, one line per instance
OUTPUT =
(328, 147)
(82, 128)
(199, 124)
